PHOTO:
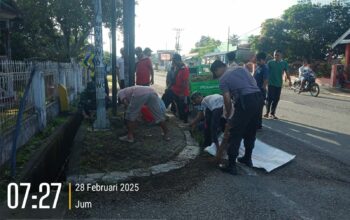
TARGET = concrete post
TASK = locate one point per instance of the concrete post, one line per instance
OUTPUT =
(38, 86)
(101, 115)
(80, 79)
(347, 55)
(10, 78)
(75, 71)
(62, 76)
(333, 81)
(336, 70)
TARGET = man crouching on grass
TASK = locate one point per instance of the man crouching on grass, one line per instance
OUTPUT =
(212, 109)
(134, 98)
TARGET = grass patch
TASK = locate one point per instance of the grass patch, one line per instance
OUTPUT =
(198, 136)
(102, 151)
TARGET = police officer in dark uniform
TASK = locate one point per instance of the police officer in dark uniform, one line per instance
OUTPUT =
(239, 85)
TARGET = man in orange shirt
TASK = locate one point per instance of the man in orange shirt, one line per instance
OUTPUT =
(179, 91)
(144, 68)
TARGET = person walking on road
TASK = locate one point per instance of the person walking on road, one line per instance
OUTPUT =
(134, 98)
(277, 67)
(261, 77)
(238, 84)
(144, 67)
(180, 90)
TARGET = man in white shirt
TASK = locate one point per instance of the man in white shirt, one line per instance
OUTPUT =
(211, 108)
(304, 68)
(121, 73)
(305, 72)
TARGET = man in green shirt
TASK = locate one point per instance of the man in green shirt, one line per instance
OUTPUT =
(277, 67)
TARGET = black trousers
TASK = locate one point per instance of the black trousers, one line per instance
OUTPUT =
(214, 123)
(121, 84)
(243, 125)
(168, 97)
(263, 93)
(273, 97)
(182, 103)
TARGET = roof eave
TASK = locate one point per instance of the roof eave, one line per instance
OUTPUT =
(341, 40)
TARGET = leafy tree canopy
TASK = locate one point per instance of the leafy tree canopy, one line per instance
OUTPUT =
(234, 40)
(56, 29)
(304, 30)
(205, 45)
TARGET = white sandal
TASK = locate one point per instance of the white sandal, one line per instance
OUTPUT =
(126, 139)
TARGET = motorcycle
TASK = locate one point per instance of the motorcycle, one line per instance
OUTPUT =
(309, 86)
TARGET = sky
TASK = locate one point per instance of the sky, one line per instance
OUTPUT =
(156, 19)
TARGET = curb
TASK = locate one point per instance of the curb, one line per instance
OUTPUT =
(326, 90)
(190, 152)
(336, 94)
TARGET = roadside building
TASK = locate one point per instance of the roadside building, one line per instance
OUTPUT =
(164, 58)
(342, 71)
(8, 12)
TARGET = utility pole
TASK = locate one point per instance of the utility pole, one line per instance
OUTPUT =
(228, 39)
(101, 116)
(177, 39)
(114, 61)
(129, 39)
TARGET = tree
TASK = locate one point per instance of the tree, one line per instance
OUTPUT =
(71, 33)
(304, 30)
(304, 2)
(234, 40)
(205, 45)
(31, 35)
(56, 29)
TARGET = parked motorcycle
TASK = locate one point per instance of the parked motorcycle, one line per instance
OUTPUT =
(309, 86)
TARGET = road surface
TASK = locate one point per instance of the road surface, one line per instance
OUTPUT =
(316, 185)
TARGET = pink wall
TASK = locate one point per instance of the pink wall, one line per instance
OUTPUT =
(347, 55)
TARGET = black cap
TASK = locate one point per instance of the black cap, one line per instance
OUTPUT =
(216, 65)
(177, 57)
(231, 55)
(138, 49)
(195, 95)
(147, 49)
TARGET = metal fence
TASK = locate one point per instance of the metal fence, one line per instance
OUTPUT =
(51, 78)
(14, 76)
(13, 79)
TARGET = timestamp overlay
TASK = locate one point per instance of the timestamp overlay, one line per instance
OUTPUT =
(74, 189)
(25, 200)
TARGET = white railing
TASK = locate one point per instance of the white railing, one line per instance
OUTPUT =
(14, 76)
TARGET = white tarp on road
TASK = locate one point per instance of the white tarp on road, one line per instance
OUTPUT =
(264, 156)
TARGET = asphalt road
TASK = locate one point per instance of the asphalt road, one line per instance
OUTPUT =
(315, 185)
(322, 122)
